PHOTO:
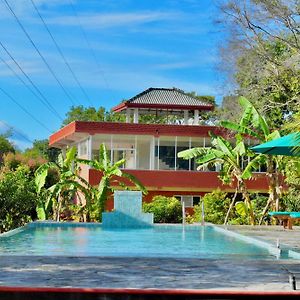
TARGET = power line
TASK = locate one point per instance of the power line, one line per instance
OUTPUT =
(21, 79)
(44, 101)
(61, 53)
(38, 51)
(18, 132)
(89, 45)
(24, 109)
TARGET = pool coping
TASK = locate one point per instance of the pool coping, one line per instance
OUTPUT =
(132, 293)
(276, 251)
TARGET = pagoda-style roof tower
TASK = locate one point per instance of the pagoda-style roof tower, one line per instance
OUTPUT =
(163, 101)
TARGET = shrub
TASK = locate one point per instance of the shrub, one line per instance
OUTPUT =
(12, 161)
(165, 209)
(17, 198)
(216, 205)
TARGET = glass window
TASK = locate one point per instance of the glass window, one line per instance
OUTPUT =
(82, 148)
(166, 153)
(143, 152)
(183, 143)
(189, 200)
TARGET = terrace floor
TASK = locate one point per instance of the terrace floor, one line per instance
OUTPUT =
(163, 273)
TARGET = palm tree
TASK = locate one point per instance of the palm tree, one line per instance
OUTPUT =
(254, 125)
(111, 176)
(69, 184)
(222, 152)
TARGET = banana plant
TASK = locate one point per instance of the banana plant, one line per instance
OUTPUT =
(111, 177)
(230, 158)
(253, 125)
(69, 185)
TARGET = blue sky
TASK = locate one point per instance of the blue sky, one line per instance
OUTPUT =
(115, 48)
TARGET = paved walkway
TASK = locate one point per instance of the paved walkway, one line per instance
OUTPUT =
(271, 234)
(99, 272)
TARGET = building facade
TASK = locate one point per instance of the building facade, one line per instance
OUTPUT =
(151, 150)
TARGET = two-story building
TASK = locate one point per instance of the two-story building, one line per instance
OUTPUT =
(151, 150)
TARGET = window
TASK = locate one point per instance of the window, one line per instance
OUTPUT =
(82, 148)
(188, 200)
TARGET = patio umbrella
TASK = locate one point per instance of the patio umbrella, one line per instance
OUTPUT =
(285, 145)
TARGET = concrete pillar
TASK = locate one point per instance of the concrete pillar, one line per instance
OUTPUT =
(136, 115)
(90, 147)
(186, 117)
(127, 115)
(196, 117)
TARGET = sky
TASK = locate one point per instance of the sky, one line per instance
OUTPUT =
(108, 51)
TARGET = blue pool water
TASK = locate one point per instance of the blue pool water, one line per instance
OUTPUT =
(159, 241)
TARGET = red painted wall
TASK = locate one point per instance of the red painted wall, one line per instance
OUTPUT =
(185, 181)
(170, 183)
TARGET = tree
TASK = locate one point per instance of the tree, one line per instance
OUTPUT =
(253, 125)
(260, 20)
(40, 148)
(111, 175)
(5, 145)
(81, 113)
(91, 114)
(273, 86)
(69, 185)
(222, 152)
(17, 198)
(230, 109)
(262, 53)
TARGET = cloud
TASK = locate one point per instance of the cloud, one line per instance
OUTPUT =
(29, 67)
(108, 20)
(25, 8)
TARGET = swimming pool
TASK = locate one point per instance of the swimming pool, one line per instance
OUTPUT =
(87, 240)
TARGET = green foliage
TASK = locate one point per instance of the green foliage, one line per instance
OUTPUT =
(68, 186)
(230, 158)
(273, 84)
(18, 198)
(81, 113)
(91, 114)
(112, 176)
(5, 146)
(165, 209)
(40, 148)
(216, 205)
(12, 161)
(291, 198)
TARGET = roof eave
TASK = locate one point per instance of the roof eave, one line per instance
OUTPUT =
(121, 107)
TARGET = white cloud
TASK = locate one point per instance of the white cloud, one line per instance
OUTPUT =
(102, 20)
(25, 8)
(29, 67)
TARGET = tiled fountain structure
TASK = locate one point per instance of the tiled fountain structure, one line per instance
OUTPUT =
(127, 212)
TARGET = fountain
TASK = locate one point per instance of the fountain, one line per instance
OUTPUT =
(127, 212)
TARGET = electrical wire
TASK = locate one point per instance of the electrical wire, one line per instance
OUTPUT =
(61, 53)
(18, 132)
(89, 45)
(44, 101)
(24, 109)
(38, 51)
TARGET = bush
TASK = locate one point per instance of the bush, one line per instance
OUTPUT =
(12, 161)
(17, 198)
(165, 209)
(216, 205)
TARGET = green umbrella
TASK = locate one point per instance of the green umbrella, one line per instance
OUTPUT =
(286, 145)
